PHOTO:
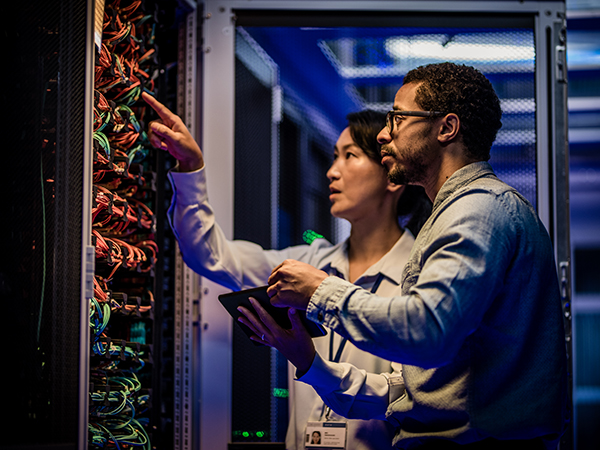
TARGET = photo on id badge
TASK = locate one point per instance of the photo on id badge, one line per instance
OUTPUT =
(326, 435)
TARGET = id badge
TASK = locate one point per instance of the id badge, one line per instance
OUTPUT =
(326, 435)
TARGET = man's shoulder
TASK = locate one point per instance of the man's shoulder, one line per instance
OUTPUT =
(494, 205)
(491, 190)
(490, 182)
(481, 191)
(470, 180)
(485, 204)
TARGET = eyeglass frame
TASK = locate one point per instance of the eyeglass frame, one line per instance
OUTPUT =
(395, 112)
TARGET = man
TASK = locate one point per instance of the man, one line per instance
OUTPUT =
(478, 327)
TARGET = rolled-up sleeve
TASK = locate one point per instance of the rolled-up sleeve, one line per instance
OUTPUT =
(443, 300)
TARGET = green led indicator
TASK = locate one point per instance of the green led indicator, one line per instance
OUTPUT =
(281, 393)
(249, 434)
(309, 236)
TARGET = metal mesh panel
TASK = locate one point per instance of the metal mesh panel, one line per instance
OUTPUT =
(251, 378)
(252, 159)
(335, 71)
(259, 405)
(41, 265)
(304, 157)
(587, 367)
(587, 329)
(326, 73)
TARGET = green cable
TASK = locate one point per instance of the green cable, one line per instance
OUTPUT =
(309, 236)
(43, 248)
(114, 439)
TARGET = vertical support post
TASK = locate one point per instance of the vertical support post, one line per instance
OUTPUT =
(562, 233)
(186, 281)
(95, 10)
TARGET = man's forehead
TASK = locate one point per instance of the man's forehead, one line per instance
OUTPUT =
(405, 97)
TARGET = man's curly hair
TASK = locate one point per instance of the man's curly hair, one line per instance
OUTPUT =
(465, 91)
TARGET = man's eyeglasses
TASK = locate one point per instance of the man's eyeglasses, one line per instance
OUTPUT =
(395, 115)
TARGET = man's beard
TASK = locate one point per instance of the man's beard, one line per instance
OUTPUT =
(414, 173)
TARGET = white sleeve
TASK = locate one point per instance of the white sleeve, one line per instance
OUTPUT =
(352, 392)
(235, 264)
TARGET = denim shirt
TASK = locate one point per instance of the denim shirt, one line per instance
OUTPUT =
(478, 327)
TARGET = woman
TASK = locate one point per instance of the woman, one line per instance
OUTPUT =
(372, 257)
(316, 438)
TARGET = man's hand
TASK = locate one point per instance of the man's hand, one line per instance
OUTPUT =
(170, 133)
(292, 283)
(294, 344)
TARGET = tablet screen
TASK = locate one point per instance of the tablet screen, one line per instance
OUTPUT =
(232, 300)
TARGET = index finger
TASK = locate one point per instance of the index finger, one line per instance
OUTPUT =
(163, 112)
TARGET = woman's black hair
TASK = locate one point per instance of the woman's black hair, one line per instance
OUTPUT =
(414, 207)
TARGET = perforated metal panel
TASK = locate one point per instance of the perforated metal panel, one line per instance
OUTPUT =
(359, 68)
(45, 44)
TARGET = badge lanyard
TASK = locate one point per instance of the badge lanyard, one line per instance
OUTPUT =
(340, 349)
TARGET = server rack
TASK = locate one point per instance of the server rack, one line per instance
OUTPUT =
(86, 245)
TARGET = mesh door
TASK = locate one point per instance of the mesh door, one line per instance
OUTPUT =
(326, 72)
(40, 274)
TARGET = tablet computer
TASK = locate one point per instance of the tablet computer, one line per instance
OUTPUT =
(232, 300)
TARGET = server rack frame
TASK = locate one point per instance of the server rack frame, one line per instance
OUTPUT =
(218, 133)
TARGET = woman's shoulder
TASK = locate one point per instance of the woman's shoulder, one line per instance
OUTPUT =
(321, 253)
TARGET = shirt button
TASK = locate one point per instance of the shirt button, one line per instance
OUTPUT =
(320, 316)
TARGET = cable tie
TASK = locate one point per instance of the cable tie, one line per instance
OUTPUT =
(106, 354)
(140, 214)
(109, 207)
(125, 210)
(125, 252)
(109, 259)
(106, 394)
(137, 304)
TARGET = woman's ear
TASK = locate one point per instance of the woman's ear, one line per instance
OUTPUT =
(449, 128)
(399, 188)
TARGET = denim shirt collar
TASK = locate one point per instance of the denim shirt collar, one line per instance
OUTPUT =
(462, 177)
